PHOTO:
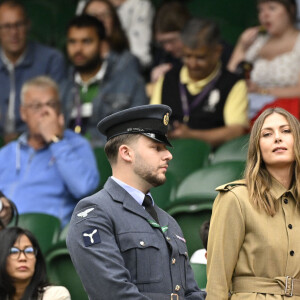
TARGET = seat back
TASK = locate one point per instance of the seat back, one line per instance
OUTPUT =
(188, 155)
(234, 150)
(195, 196)
(62, 272)
(46, 228)
(200, 186)
(200, 274)
(103, 165)
(164, 194)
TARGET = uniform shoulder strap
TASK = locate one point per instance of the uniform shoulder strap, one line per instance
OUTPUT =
(229, 186)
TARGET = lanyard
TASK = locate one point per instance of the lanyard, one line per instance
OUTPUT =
(186, 108)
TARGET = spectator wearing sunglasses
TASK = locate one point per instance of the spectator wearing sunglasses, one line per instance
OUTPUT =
(23, 270)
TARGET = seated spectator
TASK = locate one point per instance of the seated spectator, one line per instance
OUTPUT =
(23, 268)
(20, 60)
(104, 11)
(97, 87)
(273, 49)
(200, 256)
(208, 102)
(136, 17)
(48, 169)
(8, 211)
(169, 21)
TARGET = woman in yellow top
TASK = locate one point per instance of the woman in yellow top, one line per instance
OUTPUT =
(254, 239)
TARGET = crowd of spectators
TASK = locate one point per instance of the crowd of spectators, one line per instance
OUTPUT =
(120, 54)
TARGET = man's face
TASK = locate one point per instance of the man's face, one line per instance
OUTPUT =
(37, 103)
(83, 47)
(170, 42)
(13, 30)
(201, 61)
(151, 160)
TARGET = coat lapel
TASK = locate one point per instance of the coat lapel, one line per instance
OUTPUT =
(120, 195)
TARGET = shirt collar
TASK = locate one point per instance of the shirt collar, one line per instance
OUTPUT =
(278, 190)
(97, 78)
(8, 63)
(195, 87)
(135, 193)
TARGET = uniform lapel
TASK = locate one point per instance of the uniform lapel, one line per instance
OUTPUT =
(120, 195)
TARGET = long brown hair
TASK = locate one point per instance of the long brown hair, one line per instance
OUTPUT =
(257, 177)
(117, 40)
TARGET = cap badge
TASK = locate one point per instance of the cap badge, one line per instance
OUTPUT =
(166, 119)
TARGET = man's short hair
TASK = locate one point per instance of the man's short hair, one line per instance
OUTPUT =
(39, 81)
(84, 21)
(171, 17)
(204, 230)
(112, 146)
(14, 4)
(200, 32)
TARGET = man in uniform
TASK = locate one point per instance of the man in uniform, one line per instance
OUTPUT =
(122, 245)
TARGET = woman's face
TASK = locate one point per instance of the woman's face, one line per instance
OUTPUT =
(274, 17)
(21, 267)
(277, 142)
(101, 11)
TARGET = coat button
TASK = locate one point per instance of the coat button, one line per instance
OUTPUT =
(142, 243)
(168, 239)
(292, 253)
(177, 288)
(173, 261)
(290, 226)
(286, 201)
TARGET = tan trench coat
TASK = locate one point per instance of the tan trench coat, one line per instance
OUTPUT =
(246, 242)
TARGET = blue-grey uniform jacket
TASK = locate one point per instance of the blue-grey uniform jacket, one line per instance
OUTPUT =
(118, 254)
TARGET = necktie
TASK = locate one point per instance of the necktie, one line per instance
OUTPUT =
(147, 203)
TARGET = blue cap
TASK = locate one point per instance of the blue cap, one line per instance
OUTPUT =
(149, 120)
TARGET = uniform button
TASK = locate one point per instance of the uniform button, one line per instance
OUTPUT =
(290, 226)
(173, 261)
(168, 239)
(292, 253)
(142, 243)
(177, 288)
(286, 201)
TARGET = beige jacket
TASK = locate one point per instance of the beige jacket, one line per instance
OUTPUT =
(246, 242)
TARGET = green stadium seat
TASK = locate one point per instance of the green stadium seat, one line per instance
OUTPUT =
(195, 195)
(164, 195)
(201, 184)
(103, 165)
(46, 228)
(61, 271)
(200, 274)
(63, 233)
(188, 155)
(233, 150)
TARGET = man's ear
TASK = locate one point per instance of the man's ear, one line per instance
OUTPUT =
(126, 153)
(23, 113)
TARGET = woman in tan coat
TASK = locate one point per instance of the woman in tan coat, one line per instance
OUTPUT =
(254, 239)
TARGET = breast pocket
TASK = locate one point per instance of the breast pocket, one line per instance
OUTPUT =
(142, 256)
